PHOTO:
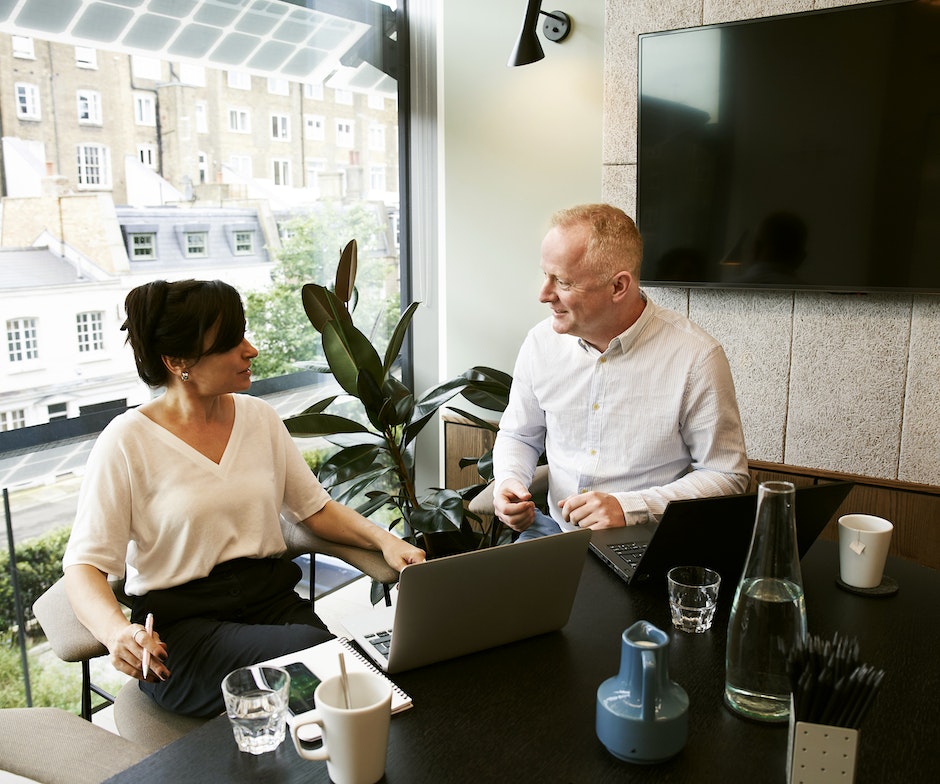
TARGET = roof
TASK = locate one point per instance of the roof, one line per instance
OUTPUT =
(22, 268)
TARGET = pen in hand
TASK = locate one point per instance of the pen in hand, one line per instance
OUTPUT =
(145, 659)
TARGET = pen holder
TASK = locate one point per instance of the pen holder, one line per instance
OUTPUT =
(820, 754)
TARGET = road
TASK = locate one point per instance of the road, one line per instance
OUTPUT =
(39, 509)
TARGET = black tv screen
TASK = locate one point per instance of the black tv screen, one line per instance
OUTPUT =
(798, 151)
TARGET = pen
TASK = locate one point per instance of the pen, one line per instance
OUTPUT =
(145, 659)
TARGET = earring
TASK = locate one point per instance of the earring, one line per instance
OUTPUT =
(185, 375)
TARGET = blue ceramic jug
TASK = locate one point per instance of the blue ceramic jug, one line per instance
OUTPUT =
(642, 716)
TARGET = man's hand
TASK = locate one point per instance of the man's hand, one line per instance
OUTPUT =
(514, 505)
(592, 510)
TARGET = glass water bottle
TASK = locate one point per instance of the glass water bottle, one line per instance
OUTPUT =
(768, 616)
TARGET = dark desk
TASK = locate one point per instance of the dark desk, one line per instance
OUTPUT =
(525, 712)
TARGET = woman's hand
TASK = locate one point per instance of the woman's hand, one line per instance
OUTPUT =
(127, 653)
(399, 553)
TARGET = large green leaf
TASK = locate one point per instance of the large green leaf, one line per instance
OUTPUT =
(321, 406)
(346, 271)
(488, 388)
(478, 421)
(373, 400)
(349, 493)
(310, 425)
(402, 399)
(347, 464)
(322, 306)
(439, 510)
(348, 351)
(398, 336)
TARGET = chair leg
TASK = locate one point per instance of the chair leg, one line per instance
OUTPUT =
(89, 688)
(86, 690)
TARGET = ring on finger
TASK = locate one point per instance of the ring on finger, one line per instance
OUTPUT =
(141, 629)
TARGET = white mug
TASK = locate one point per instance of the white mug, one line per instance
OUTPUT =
(355, 739)
(863, 549)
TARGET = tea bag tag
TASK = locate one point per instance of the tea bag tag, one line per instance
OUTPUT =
(857, 547)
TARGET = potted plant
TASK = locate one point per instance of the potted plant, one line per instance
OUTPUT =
(376, 460)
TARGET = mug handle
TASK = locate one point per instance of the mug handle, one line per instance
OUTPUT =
(320, 753)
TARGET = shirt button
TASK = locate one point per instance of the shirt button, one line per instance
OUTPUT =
(593, 451)
(595, 406)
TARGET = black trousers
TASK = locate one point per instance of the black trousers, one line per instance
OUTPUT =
(244, 611)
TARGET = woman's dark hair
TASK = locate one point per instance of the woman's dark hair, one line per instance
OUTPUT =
(172, 319)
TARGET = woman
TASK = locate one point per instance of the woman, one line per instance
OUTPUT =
(184, 495)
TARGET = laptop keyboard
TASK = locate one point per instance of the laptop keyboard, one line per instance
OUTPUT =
(630, 553)
(381, 641)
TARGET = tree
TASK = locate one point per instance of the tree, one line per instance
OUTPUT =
(277, 324)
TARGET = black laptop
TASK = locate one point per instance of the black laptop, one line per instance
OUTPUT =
(714, 532)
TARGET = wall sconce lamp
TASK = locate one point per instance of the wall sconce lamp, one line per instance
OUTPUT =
(556, 27)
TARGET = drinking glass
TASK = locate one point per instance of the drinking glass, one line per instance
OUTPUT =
(256, 704)
(693, 596)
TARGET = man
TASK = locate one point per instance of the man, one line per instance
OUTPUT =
(633, 404)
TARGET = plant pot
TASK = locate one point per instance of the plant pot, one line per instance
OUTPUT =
(437, 544)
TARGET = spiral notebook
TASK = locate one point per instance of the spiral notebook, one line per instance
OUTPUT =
(323, 662)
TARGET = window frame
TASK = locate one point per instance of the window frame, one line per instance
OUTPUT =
(24, 330)
(91, 99)
(93, 175)
(28, 101)
(89, 329)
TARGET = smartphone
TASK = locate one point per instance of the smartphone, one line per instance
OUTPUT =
(303, 683)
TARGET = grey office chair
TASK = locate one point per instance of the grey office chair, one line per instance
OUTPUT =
(53, 746)
(136, 716)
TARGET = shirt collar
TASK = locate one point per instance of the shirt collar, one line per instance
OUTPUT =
(626, 339)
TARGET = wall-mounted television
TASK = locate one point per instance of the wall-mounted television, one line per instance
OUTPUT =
(798, 151)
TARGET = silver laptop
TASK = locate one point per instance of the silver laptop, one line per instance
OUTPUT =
(464, 603)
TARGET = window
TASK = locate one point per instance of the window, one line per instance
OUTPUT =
(344, 133)
(166, 71)
(22, 340)
(244, 243)
(90, 331)
(280, 127)
(57, 411)
(376, 101)
(143, 67)
(89, 107)
(94, 166)
(197, 244)
(313, 167)
(241, 165)
(202, 117)
(145, 109)
(27, 101)
(281, 172)
(314, 125)
(377, 137)
(239, 120)
(86, 57)
(278, 86)
(238, 80)
(23, 47)
(143, 246)
(377, 178)
(147, 155)
(192, 75)
(12, 420)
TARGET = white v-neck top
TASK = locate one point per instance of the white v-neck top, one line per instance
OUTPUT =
(152, 502)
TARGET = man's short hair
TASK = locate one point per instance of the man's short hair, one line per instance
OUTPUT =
(614, 242)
